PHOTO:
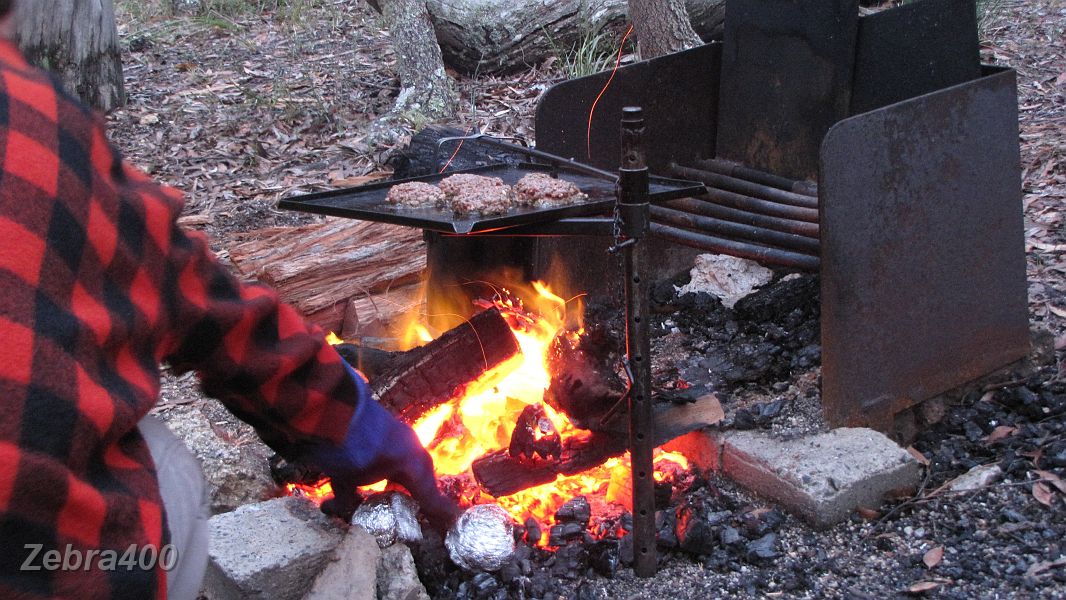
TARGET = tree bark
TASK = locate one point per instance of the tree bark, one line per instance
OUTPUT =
(662, 27)
(426, 91)
(491, 36)
(78, 41)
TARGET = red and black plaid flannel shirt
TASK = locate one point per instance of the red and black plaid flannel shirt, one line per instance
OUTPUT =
(98, 285)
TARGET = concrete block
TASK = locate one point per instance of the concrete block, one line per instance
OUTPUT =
(820, 478)
(272, 549)
(351, 573)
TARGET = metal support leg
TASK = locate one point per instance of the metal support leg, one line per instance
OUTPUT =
(633, 211)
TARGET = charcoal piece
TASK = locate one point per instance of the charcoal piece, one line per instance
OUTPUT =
(562, 533)
(761, 549)
(484, 585)
(626, 549)
(729, 536)
(389, 517)
(589, 591)
(743, 420)
(694, 533)
(665, 529)
(576, 510)
(481, 539)
(534, 435)
(571, 561)
(760, 522)
(283, 472)
(604, 557)
(775, 301)
(533, 532)
(510, 571)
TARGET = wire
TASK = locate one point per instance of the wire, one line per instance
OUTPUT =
(592, 111)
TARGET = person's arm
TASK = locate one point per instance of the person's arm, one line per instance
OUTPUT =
(274, 370)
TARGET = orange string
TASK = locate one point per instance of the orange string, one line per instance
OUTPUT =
(592, 111)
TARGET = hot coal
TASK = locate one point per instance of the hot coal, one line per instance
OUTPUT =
(576, 510)
(534, 435)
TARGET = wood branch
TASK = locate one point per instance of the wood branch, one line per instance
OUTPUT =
(317, 268)
(424, 377)
(500, 474)
(582, 385)
(501, 35)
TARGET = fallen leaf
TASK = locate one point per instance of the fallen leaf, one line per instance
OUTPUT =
(1053, 479)
(1058, 311)
(149, 119)
(918, 456)
(1040, 567)
(868, 514)
(1042, 493)
(1061, 79)
(1060, 342)
(933, 557)
(922, 586)
(999, 433)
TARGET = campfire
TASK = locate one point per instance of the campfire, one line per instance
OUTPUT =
(509, 434)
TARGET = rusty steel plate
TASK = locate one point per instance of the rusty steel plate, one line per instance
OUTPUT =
(786, 79)
(923, 259)
(914, 49)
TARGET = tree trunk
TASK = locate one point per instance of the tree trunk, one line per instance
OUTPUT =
(78, 41)
(492, 36)
(426, 91)
(662, 27)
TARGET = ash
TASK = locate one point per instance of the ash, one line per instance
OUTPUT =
(762, 357)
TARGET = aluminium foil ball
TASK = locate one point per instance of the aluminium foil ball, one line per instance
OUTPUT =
(389, 517)
(482, 539)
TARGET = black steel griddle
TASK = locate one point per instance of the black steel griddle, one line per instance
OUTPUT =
(368, 202)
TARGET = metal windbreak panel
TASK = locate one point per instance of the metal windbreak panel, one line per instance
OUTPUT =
(923, 261)
(786, 79)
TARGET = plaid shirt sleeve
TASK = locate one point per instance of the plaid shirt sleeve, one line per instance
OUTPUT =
(99, 286)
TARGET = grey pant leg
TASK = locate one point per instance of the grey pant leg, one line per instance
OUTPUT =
(185, 498)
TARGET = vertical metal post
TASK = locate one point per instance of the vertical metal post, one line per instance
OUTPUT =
(633, 211)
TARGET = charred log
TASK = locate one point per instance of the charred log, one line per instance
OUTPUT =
(582, 385)
(534, 436)
(429, 375)
(500, 474)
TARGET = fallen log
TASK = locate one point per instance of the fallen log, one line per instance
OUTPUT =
(501, 35)
(423, 378)
(500, 474)
(317, 268)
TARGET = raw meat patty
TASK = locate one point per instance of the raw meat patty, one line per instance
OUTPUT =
(541, 189)
(415, 194)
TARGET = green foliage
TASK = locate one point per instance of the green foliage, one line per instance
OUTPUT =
(591, 53)
(218, 12)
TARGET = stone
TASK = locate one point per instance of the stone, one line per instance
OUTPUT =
(236, 468)
(272, 549)
(352, 570)
(976, 478)
(397, 576)
(820, 478)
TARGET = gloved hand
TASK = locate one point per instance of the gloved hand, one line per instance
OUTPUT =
(379, 446)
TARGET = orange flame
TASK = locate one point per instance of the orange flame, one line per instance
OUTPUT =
(482, 417)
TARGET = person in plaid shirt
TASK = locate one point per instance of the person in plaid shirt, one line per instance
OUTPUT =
(99, 286)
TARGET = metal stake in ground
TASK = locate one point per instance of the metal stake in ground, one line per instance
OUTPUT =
(633, 210)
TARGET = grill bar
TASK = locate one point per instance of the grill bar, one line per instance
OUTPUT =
(739, 171)
(704, 208)
(763, 254)
(729, 229)
(746, 188)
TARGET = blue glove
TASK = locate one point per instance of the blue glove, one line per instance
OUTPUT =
(379, 446)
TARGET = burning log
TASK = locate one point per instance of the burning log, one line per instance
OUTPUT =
(500, 474)
(534, 435)
(582, 385)
(422, 378)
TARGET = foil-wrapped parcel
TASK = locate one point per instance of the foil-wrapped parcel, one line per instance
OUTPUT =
(482, 539)
(389, 517)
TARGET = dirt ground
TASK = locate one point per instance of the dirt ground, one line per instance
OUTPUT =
(239, 111)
